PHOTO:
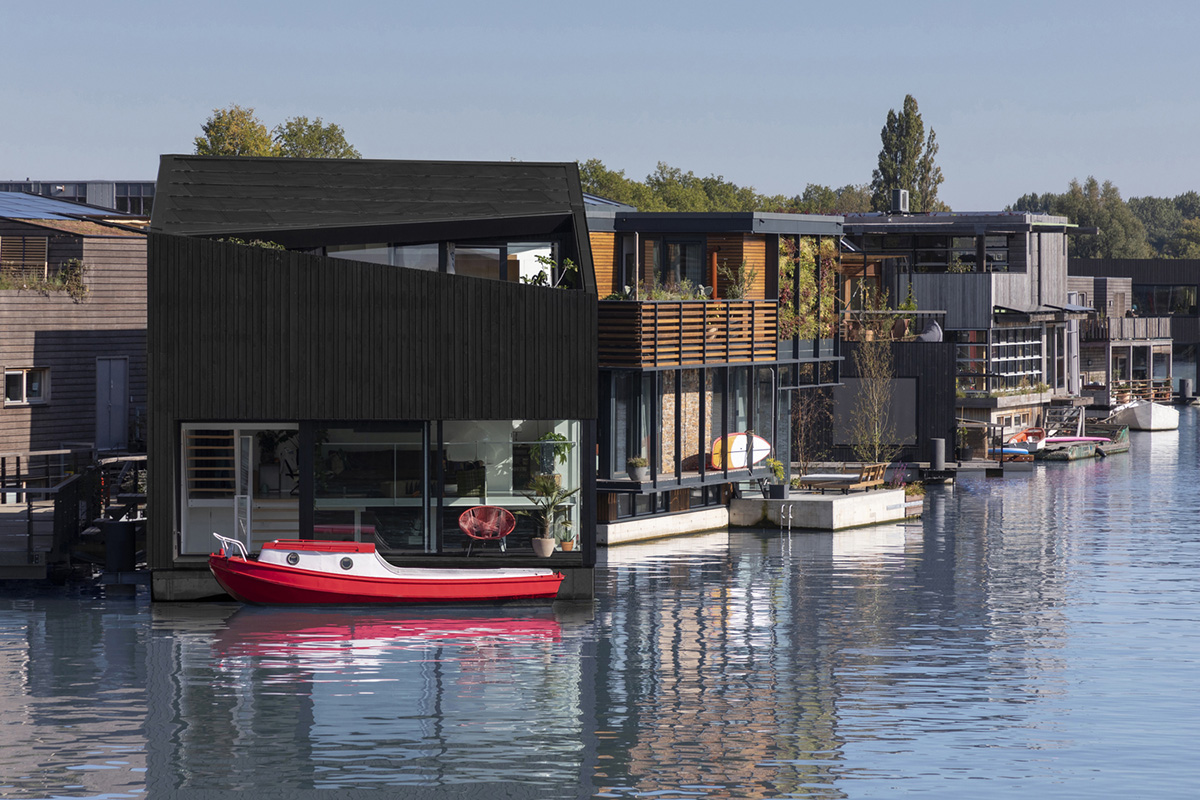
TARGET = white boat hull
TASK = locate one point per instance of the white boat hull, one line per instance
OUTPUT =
(1142, 415)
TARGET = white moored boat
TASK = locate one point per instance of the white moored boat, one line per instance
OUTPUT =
(1143, 415)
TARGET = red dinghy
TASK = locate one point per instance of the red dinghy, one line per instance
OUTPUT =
(295, 571)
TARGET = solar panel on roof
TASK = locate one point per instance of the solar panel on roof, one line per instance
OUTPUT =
(23, 205)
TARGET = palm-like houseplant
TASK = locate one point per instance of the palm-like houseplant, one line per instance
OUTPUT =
(549, 501)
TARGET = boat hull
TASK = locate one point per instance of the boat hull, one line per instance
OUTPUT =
(261, 583)
(1146, 416)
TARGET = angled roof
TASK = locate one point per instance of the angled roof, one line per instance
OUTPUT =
(288, 200)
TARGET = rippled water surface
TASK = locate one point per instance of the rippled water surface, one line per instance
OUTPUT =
(1037, 635)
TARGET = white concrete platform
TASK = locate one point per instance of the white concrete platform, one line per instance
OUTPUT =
(638, 530)
(823, 512)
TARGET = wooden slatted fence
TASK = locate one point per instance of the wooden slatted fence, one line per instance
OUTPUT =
(679, 333)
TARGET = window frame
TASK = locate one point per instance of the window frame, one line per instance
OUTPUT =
(25, 372)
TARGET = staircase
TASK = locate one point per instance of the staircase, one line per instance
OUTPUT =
(274, 519)
(1064, 420)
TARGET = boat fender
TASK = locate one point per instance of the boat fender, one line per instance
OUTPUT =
(1101, 453)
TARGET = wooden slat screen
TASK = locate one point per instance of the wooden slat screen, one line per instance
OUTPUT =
(209, 457)
(604, 262)
(24, 255)
(665, 333)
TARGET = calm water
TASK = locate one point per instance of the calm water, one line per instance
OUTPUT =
(1033, 637)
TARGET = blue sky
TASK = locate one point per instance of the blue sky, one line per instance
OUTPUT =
(1023, 96)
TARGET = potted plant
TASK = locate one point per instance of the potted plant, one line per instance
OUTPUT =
(965, 451)
(565, 535)
(638, 468)
(548, 448)
(778, 488)
(549, 500)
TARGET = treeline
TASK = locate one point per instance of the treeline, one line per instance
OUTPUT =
(671, 189)
(1142, 227)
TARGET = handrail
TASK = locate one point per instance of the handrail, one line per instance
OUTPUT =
(228, 544)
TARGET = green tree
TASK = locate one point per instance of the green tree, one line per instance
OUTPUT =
(299, 137)
(906, 161)
(1035, 203)
(1186, 241)
(1188, 204)
(1092, 204)
(599, 180)
(679, 190)
(235, 131)
(1160, 217)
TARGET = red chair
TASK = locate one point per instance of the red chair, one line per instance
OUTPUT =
(487, 524)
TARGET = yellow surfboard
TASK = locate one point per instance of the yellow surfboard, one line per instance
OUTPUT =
(738, 450)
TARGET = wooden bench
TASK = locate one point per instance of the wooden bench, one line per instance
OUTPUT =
(867, 478)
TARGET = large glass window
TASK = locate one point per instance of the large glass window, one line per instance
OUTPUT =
(370, 253)
(1150, 300)
(682, 260)
(478, 262)
(416, 256)
(241, 482)
(370, 485)
(1016, 358)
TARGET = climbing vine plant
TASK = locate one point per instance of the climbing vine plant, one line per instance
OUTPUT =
(68, 278)
(798, 314)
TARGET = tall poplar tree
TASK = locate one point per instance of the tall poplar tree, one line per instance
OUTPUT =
(906, 161)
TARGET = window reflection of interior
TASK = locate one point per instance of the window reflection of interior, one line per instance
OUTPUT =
(1151, 300)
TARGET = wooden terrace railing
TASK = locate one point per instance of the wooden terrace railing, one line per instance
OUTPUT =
(669, 333)
(1153, 390)
(1117, 328)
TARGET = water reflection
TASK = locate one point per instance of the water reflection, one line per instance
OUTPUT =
(368, 699)
(1034, 635)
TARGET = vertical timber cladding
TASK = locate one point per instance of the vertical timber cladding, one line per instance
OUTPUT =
(244, 333)
(730, 252)
(604, 262)
(372, 342)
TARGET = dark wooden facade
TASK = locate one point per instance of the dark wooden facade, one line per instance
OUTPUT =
(929, 370)
(1185, 328)
(245, 333)
(67, 336)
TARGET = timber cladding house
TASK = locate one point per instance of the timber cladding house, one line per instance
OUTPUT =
(710, 326)
(72, 327)
(388, 370)
(999, 284)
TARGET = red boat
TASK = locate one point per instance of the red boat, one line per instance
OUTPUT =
(309, 571)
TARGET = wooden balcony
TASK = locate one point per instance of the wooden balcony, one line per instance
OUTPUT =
(1125, 328)
(685, 333)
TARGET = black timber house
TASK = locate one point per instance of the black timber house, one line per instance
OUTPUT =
(393, 365)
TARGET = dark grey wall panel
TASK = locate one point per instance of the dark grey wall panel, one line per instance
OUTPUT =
(243, 333)
(932, 366)
(248, 333)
